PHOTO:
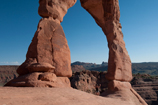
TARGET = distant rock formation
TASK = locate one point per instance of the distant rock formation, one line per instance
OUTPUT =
(88, 80)
(147, 87)
(77, 68)
(144, 84)
(7, 73)
(47, 61)
(107, 15)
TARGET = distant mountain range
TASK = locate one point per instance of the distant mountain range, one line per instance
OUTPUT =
(8, 72)
(150, 68)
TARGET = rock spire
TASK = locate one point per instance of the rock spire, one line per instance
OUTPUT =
(48, 62)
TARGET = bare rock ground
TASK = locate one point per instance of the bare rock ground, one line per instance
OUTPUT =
(55, 96)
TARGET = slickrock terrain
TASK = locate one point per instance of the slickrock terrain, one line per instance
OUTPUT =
(56, 96)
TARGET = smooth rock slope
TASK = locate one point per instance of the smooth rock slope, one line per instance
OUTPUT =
(57, 96)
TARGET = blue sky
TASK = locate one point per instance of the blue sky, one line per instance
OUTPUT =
(139, 19)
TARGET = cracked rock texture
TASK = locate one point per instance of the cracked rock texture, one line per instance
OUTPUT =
(49, 51)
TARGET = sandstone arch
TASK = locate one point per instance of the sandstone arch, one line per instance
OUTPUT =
(48, 62)
(49, 51)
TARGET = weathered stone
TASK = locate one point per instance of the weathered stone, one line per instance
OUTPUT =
(54, 8)
(38, 79)
(47, 77)
(43, 67)
(59, 96)
(48, 51)
(107, 15)
(118, 85)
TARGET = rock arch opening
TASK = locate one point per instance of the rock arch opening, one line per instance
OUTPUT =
(86, 40)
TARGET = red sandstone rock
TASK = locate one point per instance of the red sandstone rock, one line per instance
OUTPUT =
(48, 51)
(39, 80)
(118, 85)
(41, 67)
(47, 77)
(61, 96)
(54, 8)
(106, 14)
(124, 91)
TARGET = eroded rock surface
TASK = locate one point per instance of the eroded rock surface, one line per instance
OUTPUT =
(48, 51)
(56, 96)
(54, 8)
(88, 80)
(107, 15)
(37, 79)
